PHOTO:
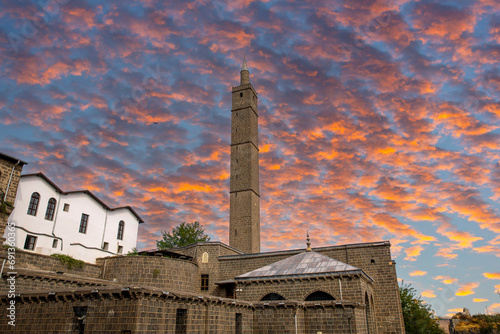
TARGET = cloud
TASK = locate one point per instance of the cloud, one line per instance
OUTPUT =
(492, 275)
(494, 307)
(418, 273)
(413, 252)
(445, 279)
(377, 120)
(428, 294)
(467, 289)
(479, 300)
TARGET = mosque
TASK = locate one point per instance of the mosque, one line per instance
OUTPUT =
(211, 287)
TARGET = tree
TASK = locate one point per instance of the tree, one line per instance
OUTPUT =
(418, 316)
(183, 235)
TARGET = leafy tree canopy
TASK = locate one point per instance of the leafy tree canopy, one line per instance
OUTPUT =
(183, 235)
(418, 315)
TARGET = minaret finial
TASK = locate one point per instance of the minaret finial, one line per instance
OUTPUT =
(308, 249)
(245, 73)
(244, 66)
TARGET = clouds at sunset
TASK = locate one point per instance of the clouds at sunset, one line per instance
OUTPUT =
(378, 120)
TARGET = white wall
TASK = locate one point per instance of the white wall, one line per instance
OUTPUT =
(102, 223)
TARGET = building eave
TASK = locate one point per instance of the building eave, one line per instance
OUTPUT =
(88, 192)
(12, 159)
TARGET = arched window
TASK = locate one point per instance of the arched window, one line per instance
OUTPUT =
(204, 258)
(272, 296)
(35, 199)
(319, 295)
(51, 207)
(121, 228)
(368, 313)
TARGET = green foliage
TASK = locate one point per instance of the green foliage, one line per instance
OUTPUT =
(418, 316)
(156, 272)
(183, 235)
(480, 323)
(6, 207)
(69, 261)
(133, 252)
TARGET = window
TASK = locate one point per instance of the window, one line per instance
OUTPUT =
(51, 207)
(83, 223)
(319, 295)
(204, 258)
(241, 94)
(79, 322)
(105, 246)
(239, 324)
(66, 207)
(30, 242)
(181, 321)
(120, 250)
(35, 198)
(204, 282)
(121, 227)
(368, 313)
(272, 296)
(54, 243)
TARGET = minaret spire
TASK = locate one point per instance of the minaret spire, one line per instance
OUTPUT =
(245, 73)
(244, 194)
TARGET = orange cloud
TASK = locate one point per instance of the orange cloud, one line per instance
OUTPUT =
(479, 300)
(418, 273)
(428, 294)
(494, 306)
(446, 252)
(413, 252)
(492, 275)
(463, 239)
(445, 279)
(467, 289)
(455, 310)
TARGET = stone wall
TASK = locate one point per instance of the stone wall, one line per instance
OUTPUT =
(331, 320)
(140, 311)
(30, 260)
(152, 271)
(277, 319)
(5, 172)
(32, 280)
(212, 268)
(375, 260)
(353, 288)
(6, 166)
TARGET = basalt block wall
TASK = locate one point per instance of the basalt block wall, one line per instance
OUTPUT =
(114, 312)
(353, 288)
(152, 271)
(31, 260)
(375, 260)
(8, 168)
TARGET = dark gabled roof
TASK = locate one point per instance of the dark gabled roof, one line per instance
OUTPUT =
(12, 159)
(104, 205)
(302, 264)
(165, 252)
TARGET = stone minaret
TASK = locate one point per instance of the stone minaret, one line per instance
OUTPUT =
(244, 211)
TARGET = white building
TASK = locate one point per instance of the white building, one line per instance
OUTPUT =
(49, 220)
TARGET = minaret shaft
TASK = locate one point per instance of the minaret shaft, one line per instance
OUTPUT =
(244, 211)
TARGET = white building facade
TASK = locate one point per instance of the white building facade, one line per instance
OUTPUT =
(49, 220)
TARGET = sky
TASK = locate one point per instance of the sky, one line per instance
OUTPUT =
(378, 120)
